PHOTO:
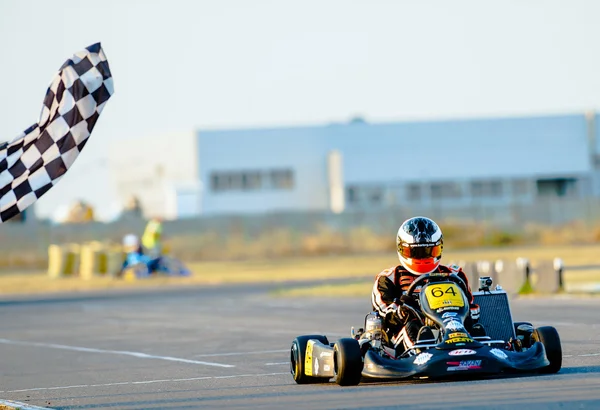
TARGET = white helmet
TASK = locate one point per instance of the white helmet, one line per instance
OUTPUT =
(420, 243)
(131, 242)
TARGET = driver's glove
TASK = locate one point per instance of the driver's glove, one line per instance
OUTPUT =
(410, 301)
(391, 310)
(404, 301)
(475, 312)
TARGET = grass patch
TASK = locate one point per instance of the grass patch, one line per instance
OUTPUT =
(7, 407)
(299, 269)
(527, 288)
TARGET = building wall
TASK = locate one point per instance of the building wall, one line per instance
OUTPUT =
(454, 163)
(450, 163)
(299, 151)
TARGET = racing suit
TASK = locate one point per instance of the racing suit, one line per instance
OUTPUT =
(393, 283)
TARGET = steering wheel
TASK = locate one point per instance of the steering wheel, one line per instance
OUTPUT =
(431, 277)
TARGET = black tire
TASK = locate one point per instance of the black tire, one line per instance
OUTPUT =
(297, 356)
(348, 362)
(548, 336)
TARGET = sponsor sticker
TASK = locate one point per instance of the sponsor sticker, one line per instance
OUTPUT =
(457, 334)
(498, 353)
(440, 310)
(422, 358)
(454, 325)
(459, 340)
(325, 354)
(464, 365)
(461, 352)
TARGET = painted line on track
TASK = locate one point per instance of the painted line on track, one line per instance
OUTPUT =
(81, 386)
(114, 352)
(22, 406)
(240, 353)
(276, 364)
(582, 355)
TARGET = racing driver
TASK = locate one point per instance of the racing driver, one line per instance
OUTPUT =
(419, 243)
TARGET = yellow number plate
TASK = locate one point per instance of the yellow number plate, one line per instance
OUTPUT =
(444, 295)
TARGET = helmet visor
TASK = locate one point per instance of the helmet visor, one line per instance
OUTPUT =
(421, 250)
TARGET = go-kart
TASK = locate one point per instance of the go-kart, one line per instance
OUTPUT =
(507, 347)
(163, 266)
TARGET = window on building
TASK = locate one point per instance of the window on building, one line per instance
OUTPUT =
(413, 192)
(445, 190)
(219, 182)
(520, 187)
(486, 189)
(558, 187)
(281, 178)
(251, 180)
(376, 195)
(352, 195)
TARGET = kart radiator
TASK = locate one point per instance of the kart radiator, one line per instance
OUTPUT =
(495, 314)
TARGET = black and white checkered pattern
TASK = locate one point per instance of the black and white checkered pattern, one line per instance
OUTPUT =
(37, 159)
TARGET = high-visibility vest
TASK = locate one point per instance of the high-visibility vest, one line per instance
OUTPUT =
(152, 234)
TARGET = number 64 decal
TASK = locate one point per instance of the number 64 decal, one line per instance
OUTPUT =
(444, 295)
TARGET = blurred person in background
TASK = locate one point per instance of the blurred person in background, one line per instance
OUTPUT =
(152, 238)
(419, 244)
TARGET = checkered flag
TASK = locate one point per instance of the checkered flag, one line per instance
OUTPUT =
(37, 159)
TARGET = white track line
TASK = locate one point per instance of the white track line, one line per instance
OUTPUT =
(22, 406)
(117, 352)
(581, 355)
(240, 353)
(80, 386)
(276, 364)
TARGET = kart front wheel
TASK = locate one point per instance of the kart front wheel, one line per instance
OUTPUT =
(548, 336)
(298, 357)
(348, 362)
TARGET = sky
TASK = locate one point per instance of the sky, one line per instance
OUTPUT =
(204, 64)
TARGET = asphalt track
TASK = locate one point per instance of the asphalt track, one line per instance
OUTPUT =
(228, 348)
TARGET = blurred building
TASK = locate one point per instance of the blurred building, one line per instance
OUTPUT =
(357, 165)
(158, 172)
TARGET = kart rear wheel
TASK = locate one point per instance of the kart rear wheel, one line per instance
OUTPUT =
(348, 362)
(298, 356)
(548, 336)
